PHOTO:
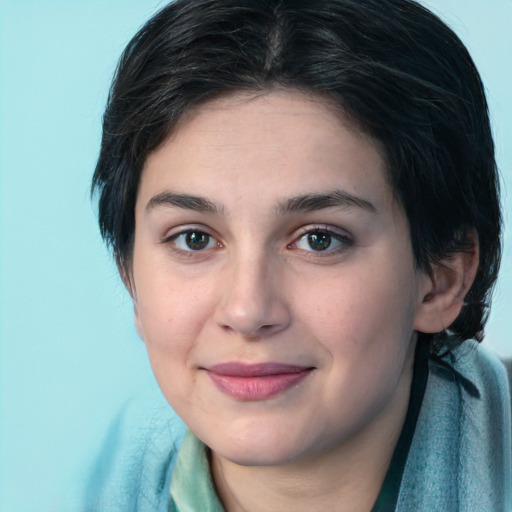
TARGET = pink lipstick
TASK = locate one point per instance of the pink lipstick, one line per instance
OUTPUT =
(253, 382)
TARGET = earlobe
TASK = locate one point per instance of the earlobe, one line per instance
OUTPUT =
(443, 295)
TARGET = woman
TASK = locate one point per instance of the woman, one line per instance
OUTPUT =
(303, 204)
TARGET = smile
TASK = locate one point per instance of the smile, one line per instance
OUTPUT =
(256, 381)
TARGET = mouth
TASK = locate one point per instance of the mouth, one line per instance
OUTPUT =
(255, 382)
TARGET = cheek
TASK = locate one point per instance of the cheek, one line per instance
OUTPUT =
(364, 321)
(171, 318)
(171, 315)
(354, 303)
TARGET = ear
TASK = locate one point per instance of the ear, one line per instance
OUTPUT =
(442, 296)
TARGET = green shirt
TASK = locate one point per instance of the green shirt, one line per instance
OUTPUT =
(192, 488)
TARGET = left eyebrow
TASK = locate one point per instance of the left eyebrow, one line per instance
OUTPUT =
(322, 200)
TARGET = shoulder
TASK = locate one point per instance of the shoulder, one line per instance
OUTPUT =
(482, 367)
(464, 429)
(478, 382)
(135, 462)
(485, 416)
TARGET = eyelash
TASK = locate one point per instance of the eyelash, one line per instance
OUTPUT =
(344, 240)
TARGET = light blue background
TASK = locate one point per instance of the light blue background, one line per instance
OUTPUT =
(69, 352)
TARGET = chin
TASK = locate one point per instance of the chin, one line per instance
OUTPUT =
(269, 455)
(260, 446)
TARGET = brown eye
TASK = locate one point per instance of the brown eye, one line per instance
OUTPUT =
(319, 240)
(323, 240)
(196, 240)
(193, 240)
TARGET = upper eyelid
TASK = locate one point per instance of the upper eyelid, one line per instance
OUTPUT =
(333, 230)
(345, 238)
(179, 230)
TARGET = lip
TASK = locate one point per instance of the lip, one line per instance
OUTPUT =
(254, 382)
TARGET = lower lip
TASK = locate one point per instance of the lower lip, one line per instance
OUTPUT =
(251, 389)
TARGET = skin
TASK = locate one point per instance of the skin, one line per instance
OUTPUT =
(258, 291)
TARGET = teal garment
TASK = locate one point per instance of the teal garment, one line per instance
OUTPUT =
(459, 458)
(191, 486)
(133, 469)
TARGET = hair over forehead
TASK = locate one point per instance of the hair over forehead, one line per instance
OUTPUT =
(395, 69)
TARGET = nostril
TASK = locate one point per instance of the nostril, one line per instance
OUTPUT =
(261, 332)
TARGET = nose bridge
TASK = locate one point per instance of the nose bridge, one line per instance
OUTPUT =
(252, 303)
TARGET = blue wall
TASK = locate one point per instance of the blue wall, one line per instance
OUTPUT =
(69, 353)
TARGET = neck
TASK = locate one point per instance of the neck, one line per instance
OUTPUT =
(350, 474)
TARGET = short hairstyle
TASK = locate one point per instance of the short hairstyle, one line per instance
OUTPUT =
(394, 68)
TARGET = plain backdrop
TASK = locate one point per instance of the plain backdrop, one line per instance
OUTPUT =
(70, 356)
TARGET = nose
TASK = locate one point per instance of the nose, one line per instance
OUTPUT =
(253, 302)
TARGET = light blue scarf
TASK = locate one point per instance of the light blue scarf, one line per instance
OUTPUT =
(460, 456)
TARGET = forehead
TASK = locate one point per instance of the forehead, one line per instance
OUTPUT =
(286, 142)
(318, 119)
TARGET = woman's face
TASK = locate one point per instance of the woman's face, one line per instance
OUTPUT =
(273, 279)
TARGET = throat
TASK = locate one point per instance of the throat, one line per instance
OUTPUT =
(298, 487)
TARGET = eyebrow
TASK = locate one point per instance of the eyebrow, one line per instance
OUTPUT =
(322, 200)
(185, 201)
(301, 203)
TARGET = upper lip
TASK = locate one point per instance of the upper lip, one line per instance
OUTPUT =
(237, 369)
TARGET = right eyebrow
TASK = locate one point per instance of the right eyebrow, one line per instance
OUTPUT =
(185, 201)
(322, 200)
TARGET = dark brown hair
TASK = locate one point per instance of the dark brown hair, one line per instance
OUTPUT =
(398, 71)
